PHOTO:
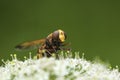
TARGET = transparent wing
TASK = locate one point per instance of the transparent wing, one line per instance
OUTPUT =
(30, 45)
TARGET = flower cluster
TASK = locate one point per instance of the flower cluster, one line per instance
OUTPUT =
(54, 69)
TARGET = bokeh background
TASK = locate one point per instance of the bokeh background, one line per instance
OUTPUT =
(92, 26)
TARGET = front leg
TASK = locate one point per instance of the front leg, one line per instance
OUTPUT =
(65, 49)
(40, 53)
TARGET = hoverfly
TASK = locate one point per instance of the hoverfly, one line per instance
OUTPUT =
(51, 44)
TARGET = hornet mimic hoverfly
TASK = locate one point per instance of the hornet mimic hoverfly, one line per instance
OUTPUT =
(51, 44)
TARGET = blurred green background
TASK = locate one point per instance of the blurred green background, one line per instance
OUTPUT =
(93, 27)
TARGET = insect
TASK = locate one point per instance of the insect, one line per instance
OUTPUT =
(51, 44)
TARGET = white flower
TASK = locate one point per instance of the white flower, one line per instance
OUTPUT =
(52, 69)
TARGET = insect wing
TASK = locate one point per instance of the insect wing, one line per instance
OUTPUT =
(30, 45)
